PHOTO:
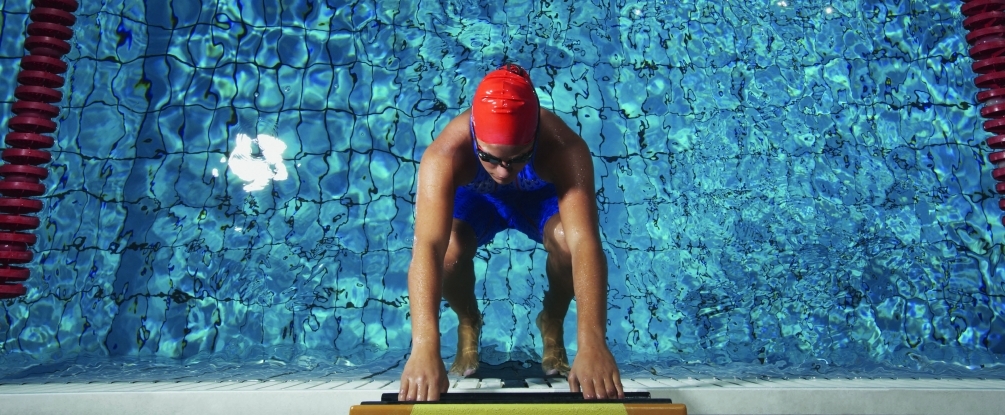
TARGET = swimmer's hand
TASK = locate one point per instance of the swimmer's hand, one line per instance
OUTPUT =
(424, 378)
(595, 373)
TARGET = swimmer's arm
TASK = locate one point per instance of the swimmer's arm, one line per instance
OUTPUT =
(434, 208)
(578, 207)
(594, 370)
(439, 171)
(424, 376)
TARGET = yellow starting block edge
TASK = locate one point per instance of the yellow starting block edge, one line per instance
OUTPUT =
(521, 408)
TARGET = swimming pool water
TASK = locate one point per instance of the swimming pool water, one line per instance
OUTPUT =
(785, 187)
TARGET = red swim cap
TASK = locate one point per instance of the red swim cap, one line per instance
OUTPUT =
(505, 108)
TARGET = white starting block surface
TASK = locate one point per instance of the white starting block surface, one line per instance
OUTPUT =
(335, 396)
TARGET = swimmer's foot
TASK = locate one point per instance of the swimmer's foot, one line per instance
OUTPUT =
(466, 361)
(554, 360)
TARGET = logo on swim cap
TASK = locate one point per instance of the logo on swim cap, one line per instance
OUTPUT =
(505, 108)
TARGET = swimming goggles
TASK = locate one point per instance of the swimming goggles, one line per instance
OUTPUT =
(496, 161)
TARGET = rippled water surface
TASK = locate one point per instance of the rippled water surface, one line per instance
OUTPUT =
(784, 187)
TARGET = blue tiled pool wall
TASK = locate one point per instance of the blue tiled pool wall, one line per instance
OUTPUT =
(781, 185)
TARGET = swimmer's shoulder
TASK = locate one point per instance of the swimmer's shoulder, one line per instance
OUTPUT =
(559, 145)
(556, 135)
(452, 150)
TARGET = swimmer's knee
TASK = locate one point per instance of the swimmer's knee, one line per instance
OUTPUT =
(555, 242)
(462, 244)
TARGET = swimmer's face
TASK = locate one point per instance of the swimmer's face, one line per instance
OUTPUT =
(503, 162)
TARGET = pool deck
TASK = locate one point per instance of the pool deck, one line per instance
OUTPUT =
(804, 395)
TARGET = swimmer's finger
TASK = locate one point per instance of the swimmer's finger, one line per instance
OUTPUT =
(573, 383)
(432, 391)
(619, 389)
(600, 388)
(412, 391)
(589, 389)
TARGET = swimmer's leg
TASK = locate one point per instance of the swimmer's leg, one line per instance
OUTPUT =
(556, 301)
(459, 291)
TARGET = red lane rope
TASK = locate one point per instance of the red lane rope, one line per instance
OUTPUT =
(41, 74)
(985, 23)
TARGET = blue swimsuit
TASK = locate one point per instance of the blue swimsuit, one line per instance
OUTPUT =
(526, 204)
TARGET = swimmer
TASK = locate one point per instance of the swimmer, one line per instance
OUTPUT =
(507, 163)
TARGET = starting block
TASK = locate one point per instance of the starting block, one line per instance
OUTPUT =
(473, 403)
